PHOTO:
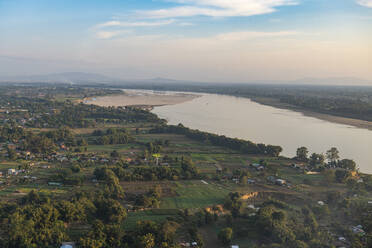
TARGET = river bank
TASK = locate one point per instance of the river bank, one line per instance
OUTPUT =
(327, 117)
(141, 98)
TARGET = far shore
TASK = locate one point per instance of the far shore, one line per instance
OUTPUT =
(144, 99)
(327, 117)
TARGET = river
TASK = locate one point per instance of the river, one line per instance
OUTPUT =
(242, 118)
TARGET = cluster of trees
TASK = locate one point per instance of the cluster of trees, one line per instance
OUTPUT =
(155, 147)
(112, 136)
(37, 91)
(271, 223)
(150, 199)
(234, 203)
(17, 101)
(113, 187)
(220, 140)
(153, 173)
(11, 132)
(146, 234)
(63, 135)
(353, 108)
(41, 143)
(67, 176)
(82, 115)
(38, 221)
(37, 143)
(48, 142)
(332, 155)
(70, 115)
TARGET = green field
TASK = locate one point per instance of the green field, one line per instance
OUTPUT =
(195, 194)
(157, 215)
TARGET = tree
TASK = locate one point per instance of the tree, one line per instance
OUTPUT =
(225, 235)
(302, 153)
(11, 153)
(35, 226)
(82, 142)
(274, 150)
(31, 198)
(332, 155)
(329, 176)
(347, 164)
(342, 175)
(156, 156)
(147, 241)
(114, 154)
(316, 159)
(109, 210)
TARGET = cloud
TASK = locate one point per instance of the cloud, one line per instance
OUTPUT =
(245, 35)
(365, 3)
(134, 24)
(104, 35)
(107, 30)
(186, 24)
(218, 8)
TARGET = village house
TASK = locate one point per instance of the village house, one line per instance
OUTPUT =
(271, 179)
(358, 230)
(12, 172)
(235, 180)
(251, 181)
(258, 166)
(321, 203)
(54, 184)
(67, 245)
(297, 166)
(280, 182)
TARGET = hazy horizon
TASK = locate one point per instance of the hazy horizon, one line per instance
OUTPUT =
(192, 40)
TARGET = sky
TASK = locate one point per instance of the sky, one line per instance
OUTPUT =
(199, 40)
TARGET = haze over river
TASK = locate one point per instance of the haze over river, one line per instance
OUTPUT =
(242, 118)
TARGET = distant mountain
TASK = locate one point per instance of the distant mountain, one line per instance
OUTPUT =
(95, 78)
(302, 81)
(333, 81)
(65, 77)
(160, 79)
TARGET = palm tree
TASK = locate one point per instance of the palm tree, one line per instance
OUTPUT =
(156, 156)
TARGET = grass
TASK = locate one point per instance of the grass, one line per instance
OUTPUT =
(195, 194)
(156, 215)
(109, 148)
(296, 177)
(9, 165)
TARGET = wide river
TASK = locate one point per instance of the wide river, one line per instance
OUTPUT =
(242, 118)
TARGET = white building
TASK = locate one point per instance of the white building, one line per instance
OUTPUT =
(12, 172)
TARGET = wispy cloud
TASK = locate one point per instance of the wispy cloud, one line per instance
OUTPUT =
(134, 24)
(245, 35)
(365, 3)
(109, 29)
(186, 24)
(217, 8)
(104, 35)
